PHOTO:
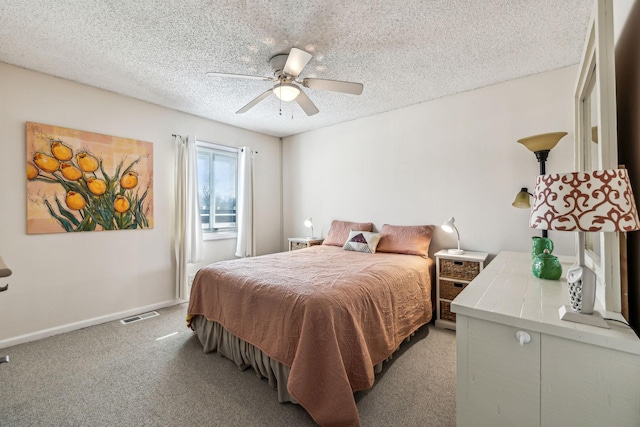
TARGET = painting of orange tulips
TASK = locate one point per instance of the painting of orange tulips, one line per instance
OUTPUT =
(83, 181)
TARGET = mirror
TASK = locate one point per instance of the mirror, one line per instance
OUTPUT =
(596, 143)
(592, 162)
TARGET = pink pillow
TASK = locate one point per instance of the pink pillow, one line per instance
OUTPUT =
(406, 239)
(339, 231)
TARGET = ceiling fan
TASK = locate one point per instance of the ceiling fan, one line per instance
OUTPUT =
(286, 69)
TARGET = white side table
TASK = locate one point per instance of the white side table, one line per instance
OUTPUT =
(453, 274)
(303, 242)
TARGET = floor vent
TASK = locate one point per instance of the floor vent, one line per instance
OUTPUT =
(138, 317)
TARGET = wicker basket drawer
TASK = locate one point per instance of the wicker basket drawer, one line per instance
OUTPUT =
(449, 289)
(298, 245)
(445, 311)
(455, 269)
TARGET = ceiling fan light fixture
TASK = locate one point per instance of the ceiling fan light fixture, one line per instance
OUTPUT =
(286, 69)
(286, 91)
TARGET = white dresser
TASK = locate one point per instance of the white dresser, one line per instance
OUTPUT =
(569, 374)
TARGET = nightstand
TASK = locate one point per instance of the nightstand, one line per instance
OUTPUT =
(303, 242)
(453, 274)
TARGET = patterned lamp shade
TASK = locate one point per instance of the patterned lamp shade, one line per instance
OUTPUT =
(579, 201)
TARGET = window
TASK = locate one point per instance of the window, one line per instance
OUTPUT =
(217, 189)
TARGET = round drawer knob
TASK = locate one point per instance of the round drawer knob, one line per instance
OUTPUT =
(523, 337)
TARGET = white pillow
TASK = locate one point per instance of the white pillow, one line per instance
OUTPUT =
(362, 241)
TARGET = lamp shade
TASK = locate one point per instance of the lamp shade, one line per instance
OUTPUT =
(522, 199)
(5, 271)
(542, 142)
(286, 91)
(449, 225)
(595, 201)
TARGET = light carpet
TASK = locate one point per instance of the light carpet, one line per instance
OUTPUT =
(124, 375)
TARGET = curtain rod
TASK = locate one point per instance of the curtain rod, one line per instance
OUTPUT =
(174, 135)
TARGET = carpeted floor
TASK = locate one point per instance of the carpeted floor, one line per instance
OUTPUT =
(122, 375)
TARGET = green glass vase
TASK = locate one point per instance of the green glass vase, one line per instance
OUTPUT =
(546, 266)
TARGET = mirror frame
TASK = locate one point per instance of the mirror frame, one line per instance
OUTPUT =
(598, 64)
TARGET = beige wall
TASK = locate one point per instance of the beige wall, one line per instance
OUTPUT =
(65, 281)
(628, 109)
(455, 156)
(421, 164)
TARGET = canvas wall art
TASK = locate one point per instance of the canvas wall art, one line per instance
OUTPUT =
(84, 181)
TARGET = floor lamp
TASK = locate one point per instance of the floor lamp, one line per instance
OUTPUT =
(540, 145)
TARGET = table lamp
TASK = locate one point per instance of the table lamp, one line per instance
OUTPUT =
(597, 201)
(5, 271)
(309, 224)
(449, 226)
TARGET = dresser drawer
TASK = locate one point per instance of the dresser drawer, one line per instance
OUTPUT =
(298, 245)
(459, 269)
(450, 289)
(445, 311)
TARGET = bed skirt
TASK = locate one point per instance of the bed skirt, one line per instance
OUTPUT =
(214, 337)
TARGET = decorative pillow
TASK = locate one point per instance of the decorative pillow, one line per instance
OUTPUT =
(406, 239)
(362, 241)
(339, 231)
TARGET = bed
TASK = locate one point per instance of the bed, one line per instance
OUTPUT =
(317, 321)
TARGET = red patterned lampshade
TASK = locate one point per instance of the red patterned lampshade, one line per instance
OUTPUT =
(579, 201)
(597, 201)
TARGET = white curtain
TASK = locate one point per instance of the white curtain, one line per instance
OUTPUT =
(188, 227)
(245, 244)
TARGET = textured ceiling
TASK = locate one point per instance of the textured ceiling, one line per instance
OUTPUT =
(404, 52)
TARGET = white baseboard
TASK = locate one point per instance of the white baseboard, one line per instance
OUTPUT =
(33, 336)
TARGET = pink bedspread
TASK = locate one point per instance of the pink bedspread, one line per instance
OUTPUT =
(329, 314)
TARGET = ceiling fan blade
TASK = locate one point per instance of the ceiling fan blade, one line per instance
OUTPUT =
(296, 61)
(240, 76)
(254, 102)
(334, 86)
(305, 103)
